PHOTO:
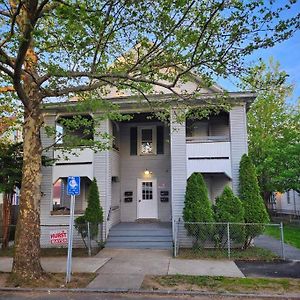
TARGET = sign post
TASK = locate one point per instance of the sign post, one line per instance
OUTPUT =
(73, 189)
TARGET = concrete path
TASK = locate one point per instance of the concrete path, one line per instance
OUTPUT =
(59, 264)
(127, 268)
(272, 244)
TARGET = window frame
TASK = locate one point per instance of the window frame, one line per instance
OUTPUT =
(139, 140)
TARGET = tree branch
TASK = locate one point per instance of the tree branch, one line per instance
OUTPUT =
(13, 22)
(7, 71)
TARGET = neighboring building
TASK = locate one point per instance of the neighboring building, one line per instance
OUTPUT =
(287, 203)
(143, 176)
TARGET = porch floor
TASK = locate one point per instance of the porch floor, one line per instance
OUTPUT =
(140, 235)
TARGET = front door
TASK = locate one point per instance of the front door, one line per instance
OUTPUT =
(147, 207)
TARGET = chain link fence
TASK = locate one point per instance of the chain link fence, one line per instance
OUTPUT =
(85, 236)
(226, 238)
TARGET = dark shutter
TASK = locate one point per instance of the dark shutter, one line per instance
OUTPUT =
(133, 141)
(160, 140)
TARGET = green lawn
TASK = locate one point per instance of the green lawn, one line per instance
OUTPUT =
(222, 284)
(252, 253)
(291, 234)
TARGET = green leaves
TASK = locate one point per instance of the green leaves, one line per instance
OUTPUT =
(274, 129)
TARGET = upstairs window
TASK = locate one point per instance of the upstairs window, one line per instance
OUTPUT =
(147, 140)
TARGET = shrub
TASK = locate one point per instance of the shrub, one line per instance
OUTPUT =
(229, 208)
(197, 208)
(249, 193)
(93, 213)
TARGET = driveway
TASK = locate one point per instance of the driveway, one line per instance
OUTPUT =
(272, 244)
(280, 269)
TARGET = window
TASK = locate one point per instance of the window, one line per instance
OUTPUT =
(288, 197)
(115, 134)
(61, 199)
(147, 140)
(147, 191)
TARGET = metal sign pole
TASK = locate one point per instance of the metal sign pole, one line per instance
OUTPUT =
(70, 239)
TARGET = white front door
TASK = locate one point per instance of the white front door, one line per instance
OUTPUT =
(147, 206)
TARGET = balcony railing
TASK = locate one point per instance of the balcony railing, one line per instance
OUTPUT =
(208, 157)
(207, 139)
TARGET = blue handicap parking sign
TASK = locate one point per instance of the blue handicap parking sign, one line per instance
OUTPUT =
(73, 185)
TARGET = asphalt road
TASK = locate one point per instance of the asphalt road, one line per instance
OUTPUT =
(280, 269)
(116, 296)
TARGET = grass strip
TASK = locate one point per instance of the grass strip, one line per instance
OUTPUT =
(222, 284)
(252, 253)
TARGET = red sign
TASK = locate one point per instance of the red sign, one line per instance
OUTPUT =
(59, 237)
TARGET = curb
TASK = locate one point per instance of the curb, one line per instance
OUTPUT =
(150, 292)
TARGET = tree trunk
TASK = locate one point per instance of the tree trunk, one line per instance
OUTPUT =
(6, 220)
(26, 263)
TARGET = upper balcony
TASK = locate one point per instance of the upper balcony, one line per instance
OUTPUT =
(77, 163)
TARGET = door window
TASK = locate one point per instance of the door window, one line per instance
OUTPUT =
(147, 191)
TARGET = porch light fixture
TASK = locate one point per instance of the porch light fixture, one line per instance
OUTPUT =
(147, 172)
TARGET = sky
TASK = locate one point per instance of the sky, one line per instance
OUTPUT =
(287, 54)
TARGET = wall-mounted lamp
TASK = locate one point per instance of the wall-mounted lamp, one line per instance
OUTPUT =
(147, 172)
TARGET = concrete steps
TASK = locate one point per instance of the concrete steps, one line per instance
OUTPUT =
(140, 236)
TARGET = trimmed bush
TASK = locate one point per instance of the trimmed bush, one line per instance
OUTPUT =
(249, 193)
(197, 208)
(229, 208)
(93, 213)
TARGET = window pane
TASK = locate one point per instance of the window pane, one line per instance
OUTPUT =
(147, 146)
(147, 191)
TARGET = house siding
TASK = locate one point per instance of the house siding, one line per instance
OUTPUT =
(178, 165)
(47, 172)
(238, 137)
(102, 173)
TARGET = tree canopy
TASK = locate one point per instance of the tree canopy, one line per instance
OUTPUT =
(274, 130)
(59, 48)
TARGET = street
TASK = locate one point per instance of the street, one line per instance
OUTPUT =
(120, 296)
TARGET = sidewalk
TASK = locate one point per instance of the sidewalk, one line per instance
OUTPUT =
(59, 264)
(127, 267)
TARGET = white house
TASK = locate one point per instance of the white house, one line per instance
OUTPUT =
(143, 176)
(287, 203)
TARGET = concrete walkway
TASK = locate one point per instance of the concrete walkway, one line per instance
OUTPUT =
(272, 244)
(59, 264)
(127, 268)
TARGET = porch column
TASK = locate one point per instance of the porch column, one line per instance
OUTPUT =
(239, 144)
(47, 172)
(178, 165)
(102, 173)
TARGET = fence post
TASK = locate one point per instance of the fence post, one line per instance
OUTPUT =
(175, 238)
(228, 239)
(89, 239)
(282, 241)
